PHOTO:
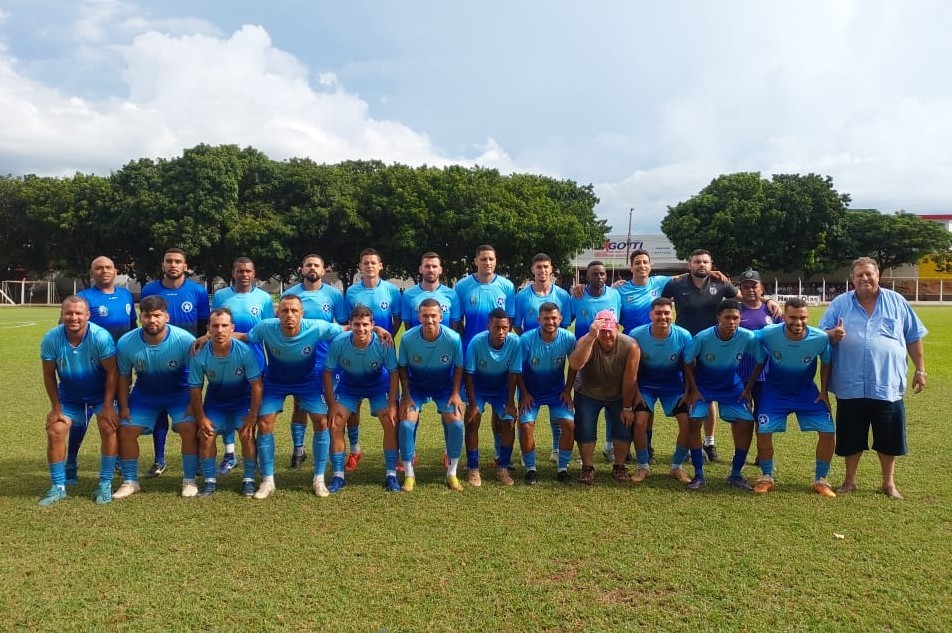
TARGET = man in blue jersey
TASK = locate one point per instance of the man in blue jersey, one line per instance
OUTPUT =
(431, 369)
(368, 369)
(79, 374)
(545, 352)
(188, 309)
(385, 301)
(113, 309)
(232, 371)
(249, 305)
(483, 291)
(791, 350)
(660, 378)
(710, 372)
(325, 302)
(493, 364)
(159, 353)
(431, 268)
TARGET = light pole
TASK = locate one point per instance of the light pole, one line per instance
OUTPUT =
(631, 210)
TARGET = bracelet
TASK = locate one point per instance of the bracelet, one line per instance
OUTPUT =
(629, 409)
(920, 372)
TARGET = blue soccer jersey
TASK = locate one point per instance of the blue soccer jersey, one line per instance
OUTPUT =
(792, 363)
(528, 302)
(161, 369)
(82, 380)
(716, 370)
(478, 299)
(430, 364)
(248, 309)
(585, 308)
(227, 376)
(327, 303)
(115, 311)
(636, 300)
(188, 304)
(384, 300)
(490, 367)
(446, 296)
(659, 371)
(292, 360)
(543, 364)
(362, 371)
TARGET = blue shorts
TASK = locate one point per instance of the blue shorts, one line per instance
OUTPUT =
(586, 419)
(669, 402)
(226, 421)
(730, 411)
(80, 413)
(557, 411)
(773, 409)
(440, 399)
(143, 410)
(310, 396)
(497, 402)
(351, 401)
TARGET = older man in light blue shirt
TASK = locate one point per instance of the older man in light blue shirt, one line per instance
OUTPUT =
(872, 329)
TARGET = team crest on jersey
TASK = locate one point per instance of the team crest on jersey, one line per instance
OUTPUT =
(326, 308)
(560, 361)
(778, 356)
(653, 294)
(629, 299)
(384, 305)
(128, 309)
(482, 363)
(535, 361)
(306, 351)
(345, 362)
(763, 418)
(709, 357)
(173, 363)
(807, 360)
(473, 300)
(739, 356)
(417, 359)
(768, 320)
(500, 302)
(239, 371)
(712, 290)
(445, 358)
(103, 311)
(187, 306)
(140, 364)
(375, 364)
(211, 374)
(445, 307)
(585, 312)
(672, 357)
(255, 311)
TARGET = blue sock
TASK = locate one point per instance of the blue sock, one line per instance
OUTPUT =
(472, 458)
(58, 474)
(446, 437)
(556, 434)
(565, 456)
(297, 434)
(107, 466)
(390, 458)
(190, 465)
(679, 454)
(454, 439)
(529, 458)
(766, 467)
(642, 456)
(130, 469)
(337, 462)
(265, 443)
(76, 435)
(505, 456)
(740, 458)
(228, 438)
(207, 466)
(159, 433)
(248, 466)
(822, 469)
(321, 445)
(697, 460)
(497, 446)
(353, 435)
(407, 433)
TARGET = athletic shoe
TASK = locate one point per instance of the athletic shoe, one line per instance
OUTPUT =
(72, 474)
(609, 454)
(189, 489)
(297, 460)
(228, 462)
(640, 475)
(474, 478)
(531, 477)
(587, 476)
(563, 477)
(156, 471)
(502, 474)
(679, 475)
(620, 474)
(208, 489)
(103, 494)
(127, 489)
(823, 488)
(739, 482)
(264, 490)
(696, 483)
(408, 484)
(247, 488)
(554, 457)
(54, 494)
(336, 484)
(320, 488)
(710, 451)
(452, 482)
(764, 485)
(353, 459)
(391, 484)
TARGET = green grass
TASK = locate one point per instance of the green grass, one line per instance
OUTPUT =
(523, 559)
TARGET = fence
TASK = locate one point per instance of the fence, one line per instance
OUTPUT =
(918, 290)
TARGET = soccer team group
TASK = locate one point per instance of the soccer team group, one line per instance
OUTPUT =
(226, 368)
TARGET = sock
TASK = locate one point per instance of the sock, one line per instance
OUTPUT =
(353, 437)
(740, 458)
(390, 458)
(228, 439)
(679, 453)
(556, 434)
(408, 469)
(211, 480)
(565, 456)
(207, 467)
(407, 441)
(454, 463)
(822, 469)
(337, 464)
(497, 446)
(529, 457)
(505, 456)
(454, 439)
(248, 467)
(321, 445)
(268, 478)
(697, 460)
(130, 469)
(190, 465)
(265, 442)
(766, 467)
(641, 455)
(472, 458)
(76, 435)
(159, 433)
(297, 436)
(58, 474)
(708, 440)
(107, 466)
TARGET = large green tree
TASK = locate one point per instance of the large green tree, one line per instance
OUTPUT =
(894, 239)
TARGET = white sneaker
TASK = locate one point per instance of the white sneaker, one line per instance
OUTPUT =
(264, 489)
(127, 489)
(320, 489)
(189, 489)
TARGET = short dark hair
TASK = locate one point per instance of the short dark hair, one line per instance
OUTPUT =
(360, 311)
(431, 255)
(290, 298)
(548, 306)
(315, 256)
(499, 313)
(221, 311)
(153, 303)
(635, 253)
(662, 301)
(729, 304)
(541, 257)
(242, 260)
(367, 252)
(699, 251)
(176, 250)
(595, 262)
(795, 303)
(429, 302)
(74, 299)
(485, 247)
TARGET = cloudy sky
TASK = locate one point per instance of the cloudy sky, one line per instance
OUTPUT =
(646, 100)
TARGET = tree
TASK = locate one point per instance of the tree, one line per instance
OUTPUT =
(895, 240)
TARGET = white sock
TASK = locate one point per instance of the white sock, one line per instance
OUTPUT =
(408, 469)
(355, 448)
(339, 473)
(708, 440)
(230, 449)
(451, 471)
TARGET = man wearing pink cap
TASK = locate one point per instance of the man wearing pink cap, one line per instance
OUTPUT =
(605, 367)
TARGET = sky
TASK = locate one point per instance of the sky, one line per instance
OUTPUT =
(647, 101)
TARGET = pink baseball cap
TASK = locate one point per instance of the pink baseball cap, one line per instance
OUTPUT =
(608, 319)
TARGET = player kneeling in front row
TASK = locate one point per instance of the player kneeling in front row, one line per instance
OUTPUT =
(368, 369)
(83, 356)
(159, 353)
(232, 399)
(790, 350)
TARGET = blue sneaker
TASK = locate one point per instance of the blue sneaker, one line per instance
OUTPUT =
(228, 462)
(247, 488)
(72, 474)
(54, 494)
(208, 489)
(739, 482)
(336, 484)
(103, 494)
(391, 483)
(696, 483)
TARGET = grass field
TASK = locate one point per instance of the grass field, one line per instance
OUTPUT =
(652, 557)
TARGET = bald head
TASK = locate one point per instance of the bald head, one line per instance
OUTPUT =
(103, 273)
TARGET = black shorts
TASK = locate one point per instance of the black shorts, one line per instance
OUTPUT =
(854, 418)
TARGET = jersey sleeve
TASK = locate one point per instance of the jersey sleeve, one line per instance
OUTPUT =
(403, 356)
(757, 349)
(267, 309)
(105, 347)
(456, 312)
(457, 351)
(390, 358)
(256, 334)
(196, 372)
(469, 359)
(692, 350)
(201, 302)
(511, 300)
(396, 302)
(48, 351)
(516, 366)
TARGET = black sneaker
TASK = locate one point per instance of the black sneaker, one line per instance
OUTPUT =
(563, 477)
(711, 452)
(531, 477)
(156, 471)
(297, 460)
(208, 489)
